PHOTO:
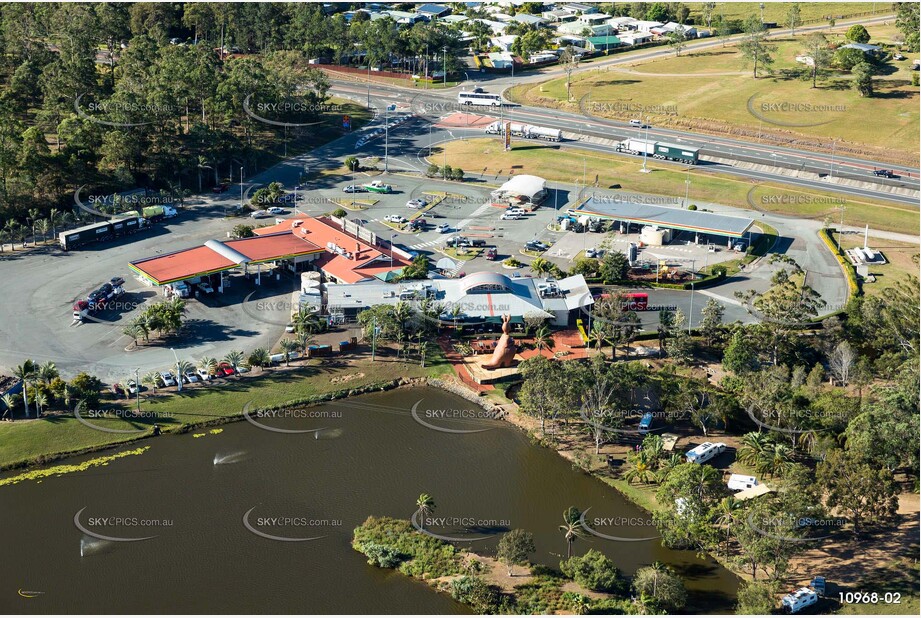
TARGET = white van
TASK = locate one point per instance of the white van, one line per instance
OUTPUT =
(739, 482)
(705, 452)
(795, 601)
(639, 124)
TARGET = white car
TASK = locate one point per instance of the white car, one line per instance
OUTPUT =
(591, 252)
(514, 211)
(444, 228)
(509, 216)
(131, 387)
(354, 189)
(189, 377)
(204, 374)
(167, 378)
(395, 219)
(275, 210)
(258, 214)
(417, 203)
(205, 288)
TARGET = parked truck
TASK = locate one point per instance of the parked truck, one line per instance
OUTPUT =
(104, 230)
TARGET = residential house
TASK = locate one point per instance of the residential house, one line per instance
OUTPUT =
(603, 43)
(504, 42)
(433, 11)
(559, 16)
(576, 27)
(581, 9)
(647, 26)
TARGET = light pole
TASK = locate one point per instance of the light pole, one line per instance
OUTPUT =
(691, 311)
(241, 187)
(687, 187)
(386, 137)
(137, 387)
(368, 58)
(392, 236)
(444, 66)
(831, 171)
(646, 147)
(178, 376)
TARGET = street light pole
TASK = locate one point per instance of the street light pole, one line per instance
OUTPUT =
(831, 172)
(386, 137)
(646, 147)
(241, 187)
(137, 387)
(691, 311)
(444, 66)
(687, 187)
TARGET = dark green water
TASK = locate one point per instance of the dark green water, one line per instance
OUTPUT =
(371, 458)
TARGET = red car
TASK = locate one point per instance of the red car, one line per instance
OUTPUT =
(491, 254)
(220, 188)
(225, 369)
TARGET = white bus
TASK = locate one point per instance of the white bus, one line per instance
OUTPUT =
(479, 98)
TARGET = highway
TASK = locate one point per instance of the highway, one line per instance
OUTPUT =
(838, 172)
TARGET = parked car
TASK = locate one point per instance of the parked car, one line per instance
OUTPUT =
(258, 214)
(116, 282)
(491, 254)
(458, 241)
(132, 387)
(354, 189)
(509, 216)
(818, 584)
(220, 188)
(204, 374)
(417, 224)
(395, 219)
(591, 252)
(275, 210)
(443, 228)
(225, 369)
(167, 378)
(416, 203)
(536, 245)
(190, 377)
(514, 210)
(117, 390)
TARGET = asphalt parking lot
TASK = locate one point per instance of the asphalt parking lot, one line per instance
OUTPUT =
(46, 283)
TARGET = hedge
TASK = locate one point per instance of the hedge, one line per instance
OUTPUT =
(849, 270)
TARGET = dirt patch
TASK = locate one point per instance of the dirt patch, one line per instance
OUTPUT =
(346, 378)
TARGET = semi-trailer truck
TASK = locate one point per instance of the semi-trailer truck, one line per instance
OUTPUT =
(660, 150)
(104, 230)
(527, 131)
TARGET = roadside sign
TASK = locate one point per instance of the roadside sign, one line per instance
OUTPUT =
(346, 122)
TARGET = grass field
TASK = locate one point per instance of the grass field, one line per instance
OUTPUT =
(554, 163)
(34, 440)
(713, 91)
(902, 261)
(777, 11)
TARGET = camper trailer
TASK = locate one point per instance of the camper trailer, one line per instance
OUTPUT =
(739, 482)
(705, 452)
(799, 599)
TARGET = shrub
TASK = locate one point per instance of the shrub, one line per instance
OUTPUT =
(432, 170)
(476, 593)
(512, 262)
(457, 174)
(339, 212)
(692, 207)
(352, 163)
(914, 79)
(394, 542)
(242, 231)
(594, 571)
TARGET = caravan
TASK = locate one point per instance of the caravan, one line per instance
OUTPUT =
(705, 452)
(740, 482)
(802, 598)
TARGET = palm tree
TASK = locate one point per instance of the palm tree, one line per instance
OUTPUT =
(305, 321)
(141, 329)
(571, 529)
(426, 506)
(776, 461)
(542, 338)
(401, 313)
(727, 511)
(540, 266)
(47, 372)
(151, 379)
(599, 334)
(703, 477)
(207, 364)
(11, 227)
(44, 226)
(667, 465)
(234, 358)
(259, 358)
(288, 346)
(133, 332)
(182, 368)
(41, 401)
(304, 340)
(642, 468)
(33, 217)
(754, 445)
(25, 372)
(53, 216)
(424, 347)
(8, 402)
(4, 238)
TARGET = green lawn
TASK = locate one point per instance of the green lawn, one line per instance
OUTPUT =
(777, 11)
(714, 91)
(902, 261)
(559, 164)
(38, 440)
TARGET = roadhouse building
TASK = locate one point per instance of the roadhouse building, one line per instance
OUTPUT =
(478, 298)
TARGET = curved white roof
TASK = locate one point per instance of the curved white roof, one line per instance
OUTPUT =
(485, 278)
(524, 185)
(231, 254)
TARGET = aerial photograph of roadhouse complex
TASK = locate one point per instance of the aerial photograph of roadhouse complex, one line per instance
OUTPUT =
(504, 307)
